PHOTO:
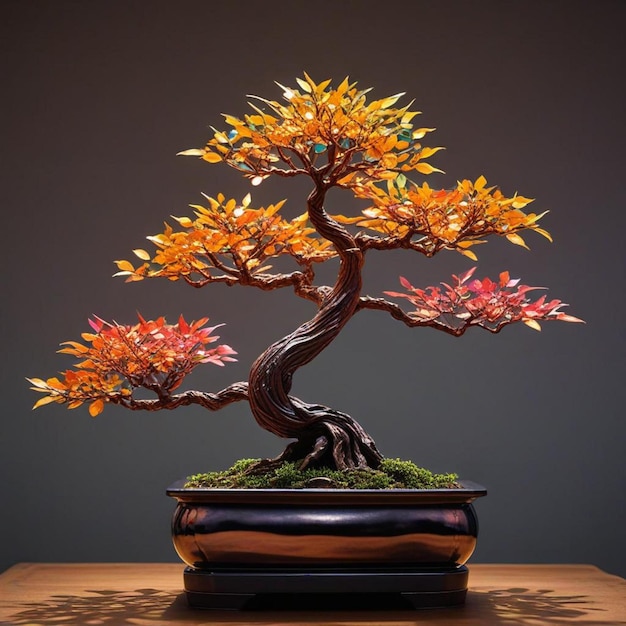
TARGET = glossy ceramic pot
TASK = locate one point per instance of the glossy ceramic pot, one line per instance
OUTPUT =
(324, 528)
(297, 548)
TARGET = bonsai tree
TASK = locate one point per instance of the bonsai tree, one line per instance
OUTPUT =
(338, 139)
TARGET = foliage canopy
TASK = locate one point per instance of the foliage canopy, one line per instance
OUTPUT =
(338, 138)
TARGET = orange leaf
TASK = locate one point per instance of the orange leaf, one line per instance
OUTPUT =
(211, 157)
(426, 168)
(95, 408)
(517, 240)
(46, 400)
(125, 266)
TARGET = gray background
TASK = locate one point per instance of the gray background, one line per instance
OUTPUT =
(98, 98)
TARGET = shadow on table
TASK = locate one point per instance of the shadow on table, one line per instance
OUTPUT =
(517, 606)
(149, 607)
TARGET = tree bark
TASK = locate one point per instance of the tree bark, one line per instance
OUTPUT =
(324, 437)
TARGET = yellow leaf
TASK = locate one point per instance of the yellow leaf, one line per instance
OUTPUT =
(387, 102)
(343, 87)
(344, 180)
(533, 218)
(408, 116)
(428, 152)
(185, 222)
(142, 254)
(342, 219)
(519, 202)
(38, 383)
(158, 239)
(191, 152)
(421, 132)
(246, 201)
(304, 85)
(232, 120)
(533, 324)
(468, 253)
(46, 400)
(426, 168)
(543, 232)
(76, 348)
(517, 240)
(95, 408)
(125, 266)
(319, 89)
(481, 181)
(211, 157)
(86, 364)
(389, 160)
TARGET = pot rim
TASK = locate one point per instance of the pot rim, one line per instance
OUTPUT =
(467, 492)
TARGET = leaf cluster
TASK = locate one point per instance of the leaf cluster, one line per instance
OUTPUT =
(337, 137)
(484, 303)
(334, 131)
(118, 358)
(228, 241)
(428, 220)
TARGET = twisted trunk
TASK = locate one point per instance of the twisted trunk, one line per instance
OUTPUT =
(323, 436)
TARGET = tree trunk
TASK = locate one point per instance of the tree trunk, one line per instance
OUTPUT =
(324, 437)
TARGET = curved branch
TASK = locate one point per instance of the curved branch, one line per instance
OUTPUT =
(212, 401)
(280, 172)
(424, 246)
(380, 304)
(229, 280)
(301, 281)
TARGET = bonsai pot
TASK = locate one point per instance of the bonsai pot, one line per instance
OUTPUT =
(245, 547)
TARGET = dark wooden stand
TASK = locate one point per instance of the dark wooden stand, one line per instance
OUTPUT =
(328, 589)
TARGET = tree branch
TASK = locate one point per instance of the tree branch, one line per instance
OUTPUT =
(229, 280)
(212, 401)
(300, 281)
(380, 304)
(424, 246)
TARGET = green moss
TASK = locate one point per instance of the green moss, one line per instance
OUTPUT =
(392, 474)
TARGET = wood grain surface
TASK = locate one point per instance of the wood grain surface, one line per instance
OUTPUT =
(150, 594)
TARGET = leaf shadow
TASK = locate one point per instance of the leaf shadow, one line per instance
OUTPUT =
(517, 606)
(101, 607)
(504, 607)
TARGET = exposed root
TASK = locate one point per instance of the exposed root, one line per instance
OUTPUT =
(330, 439)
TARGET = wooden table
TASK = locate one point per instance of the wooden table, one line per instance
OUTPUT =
(88, 594)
